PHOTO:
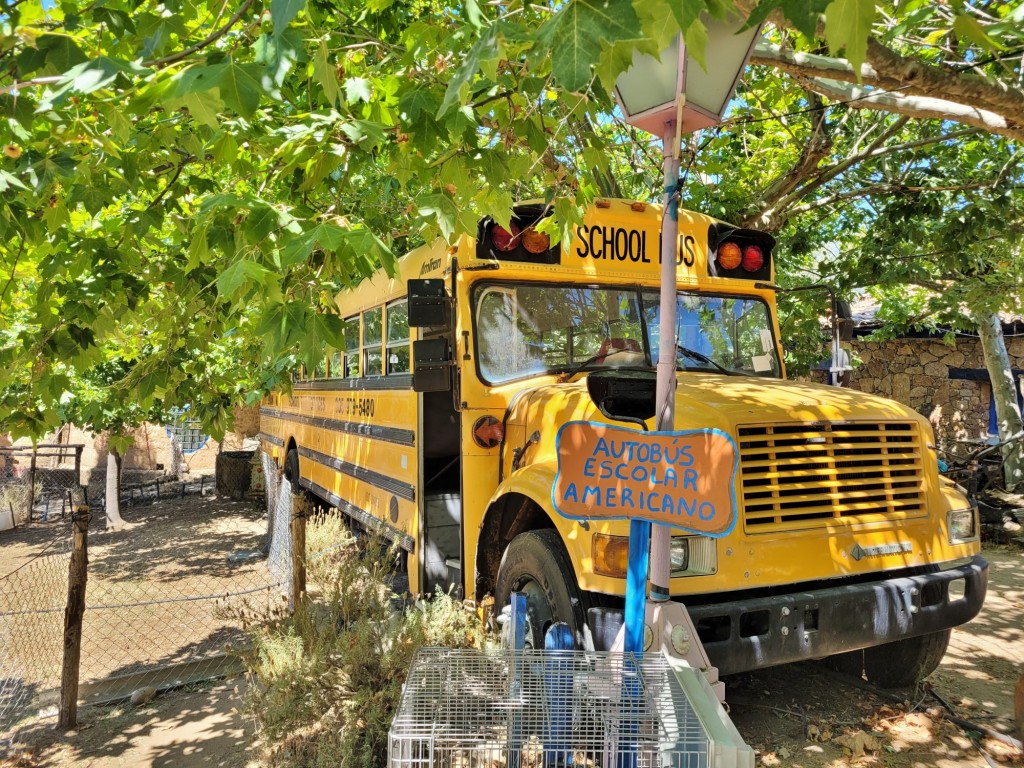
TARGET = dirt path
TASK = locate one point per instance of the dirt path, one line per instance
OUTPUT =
(805, 716)
(180, 729)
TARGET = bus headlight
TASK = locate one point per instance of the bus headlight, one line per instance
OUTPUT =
(690, 555)
(694, 556)
(962, 525)
(680, 554)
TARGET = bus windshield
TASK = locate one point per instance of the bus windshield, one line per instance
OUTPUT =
(531, 329)
(717, 332)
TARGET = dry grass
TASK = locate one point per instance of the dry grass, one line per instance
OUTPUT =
(325, 684)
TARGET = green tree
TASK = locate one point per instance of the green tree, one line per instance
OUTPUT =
(203, 172)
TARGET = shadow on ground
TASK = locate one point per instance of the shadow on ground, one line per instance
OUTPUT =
(200, 726)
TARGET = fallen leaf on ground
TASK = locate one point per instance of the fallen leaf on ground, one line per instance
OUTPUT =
(860, 744)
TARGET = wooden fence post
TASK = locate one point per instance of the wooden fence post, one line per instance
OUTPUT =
(1018, 707)
(32, 484)
(73, 614)
(298, 549)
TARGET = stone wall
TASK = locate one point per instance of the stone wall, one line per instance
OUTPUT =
(916, 372)
(150, 454)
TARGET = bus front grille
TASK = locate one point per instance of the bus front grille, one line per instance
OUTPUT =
(797, 476)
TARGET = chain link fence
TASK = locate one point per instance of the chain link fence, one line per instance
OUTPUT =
(32, 599)
(168, 598)
(40, 482)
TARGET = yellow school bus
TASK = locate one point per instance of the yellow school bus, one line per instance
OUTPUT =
(436, 425)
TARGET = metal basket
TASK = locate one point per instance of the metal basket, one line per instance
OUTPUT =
(528, 709)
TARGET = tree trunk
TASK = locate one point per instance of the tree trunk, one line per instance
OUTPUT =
(113, 491)
(1004, 392)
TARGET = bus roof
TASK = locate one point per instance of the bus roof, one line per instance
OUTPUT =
(618, 239)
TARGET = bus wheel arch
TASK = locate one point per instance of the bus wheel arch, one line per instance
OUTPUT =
(507, 517)
(291, 462)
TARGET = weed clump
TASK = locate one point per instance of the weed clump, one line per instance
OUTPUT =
(325, 682)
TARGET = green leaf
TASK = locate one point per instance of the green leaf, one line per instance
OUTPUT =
(473, 13)
(357, 89)
(847, 26)
(970, 28)
(204, 107)
(325, 74)
(118, 21)
(9, 180)
(90, 76)
(239, 85)
(198, 249)
(802, 14)
(485, 49)
(576, 35)
(283, 11)
(61, 52)
(443, 210)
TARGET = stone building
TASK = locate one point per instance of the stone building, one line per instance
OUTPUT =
(947, 383)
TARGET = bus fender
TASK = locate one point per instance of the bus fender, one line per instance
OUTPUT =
(521, 503)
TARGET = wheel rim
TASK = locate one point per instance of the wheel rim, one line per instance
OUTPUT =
(539, 614)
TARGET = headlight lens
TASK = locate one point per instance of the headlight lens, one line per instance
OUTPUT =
(694, 556)
(962, 525)
(680, 554)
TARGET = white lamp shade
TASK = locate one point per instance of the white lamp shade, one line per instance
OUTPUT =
(647, 90)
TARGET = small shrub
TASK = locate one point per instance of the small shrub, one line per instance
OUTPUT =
(325, 682)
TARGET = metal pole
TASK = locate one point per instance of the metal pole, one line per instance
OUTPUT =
(665, 397)
(636, 583)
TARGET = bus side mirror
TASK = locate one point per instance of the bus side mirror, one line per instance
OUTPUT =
(431, 365)
(429, 305)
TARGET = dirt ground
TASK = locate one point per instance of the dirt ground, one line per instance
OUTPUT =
(196, 727)
(154, 587)
(805, 716)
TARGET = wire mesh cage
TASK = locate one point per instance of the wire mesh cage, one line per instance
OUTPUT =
(527, 709)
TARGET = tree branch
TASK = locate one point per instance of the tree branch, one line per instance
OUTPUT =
(14, 270)
(978, 100)
(890, 71)
(882, 189)
(965, 87)
(212, 37)
(48, 80)
(921, 107)
(827, 174)
(815, 149)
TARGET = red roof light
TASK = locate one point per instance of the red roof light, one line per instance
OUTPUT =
(753, 258)
(504, 240)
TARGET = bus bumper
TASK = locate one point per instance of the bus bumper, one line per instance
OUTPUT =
(742, 635)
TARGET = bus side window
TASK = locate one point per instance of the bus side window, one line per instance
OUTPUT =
(321, 367)
(398, 337)
(372, 350)
(337, 371)
(351, 367)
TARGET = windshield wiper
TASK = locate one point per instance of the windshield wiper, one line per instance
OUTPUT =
(700, 357)
(591, 360)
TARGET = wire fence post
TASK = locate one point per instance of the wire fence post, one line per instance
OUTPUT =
(298, 549)
(31, 485)
(73, 614)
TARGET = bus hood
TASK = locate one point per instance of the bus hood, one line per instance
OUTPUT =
(724, 401)
(709, 400)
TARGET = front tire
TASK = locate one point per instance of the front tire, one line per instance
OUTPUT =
(537, 564)
(896, 665)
